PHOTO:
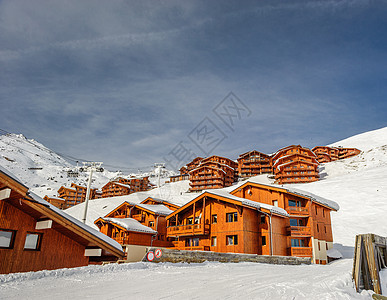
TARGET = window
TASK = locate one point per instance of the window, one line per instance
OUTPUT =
(295, 222)
(316, 210)
(294, 203)
(151, 224)
(263, 240)
(232, 217)
(323, 213)
(197, 220)
(213, 241)
(7, 238)
(318, 230)
(192, 242)
(231, 240)
(297, 243)
(214, 219)
(33, 241)
(189, 221)
(263, 219)
(275, 203)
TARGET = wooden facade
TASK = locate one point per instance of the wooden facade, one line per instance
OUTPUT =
(213, 172)
(35, 235)
(326, 154)
(295, 164)
(56, 201)
(150, 216)
(125, 186)
(179, 177)
(222, 222)
(190, 166)
(254, 163)
(73, 195)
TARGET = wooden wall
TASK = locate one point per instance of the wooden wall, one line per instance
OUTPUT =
(57, 250)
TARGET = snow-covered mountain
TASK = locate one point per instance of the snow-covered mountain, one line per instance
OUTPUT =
(44, 171)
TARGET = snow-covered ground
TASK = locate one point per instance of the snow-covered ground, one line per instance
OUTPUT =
(186, 281)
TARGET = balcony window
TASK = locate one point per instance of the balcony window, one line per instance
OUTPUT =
(296, 222)
(275, 203)
(263, 219)
(232, 217)
(213, 241)
(189, 221)
(214, 219)
(151, 223)
(33, 241)
(231, 240)
(294, 203)
(297, 243)
(197, 220)
(7, 238)
(263, 238)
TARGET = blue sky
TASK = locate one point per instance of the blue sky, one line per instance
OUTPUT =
(124, 82)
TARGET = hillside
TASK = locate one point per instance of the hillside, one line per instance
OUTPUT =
(45, 171)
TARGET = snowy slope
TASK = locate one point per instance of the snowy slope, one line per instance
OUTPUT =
(209, 280)
(18, 154)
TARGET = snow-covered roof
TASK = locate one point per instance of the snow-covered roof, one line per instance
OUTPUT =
(313, 197)
(9, 174)
(121, 184)
(254, 204)
(77, 222)
(130, 224)
(158, 209)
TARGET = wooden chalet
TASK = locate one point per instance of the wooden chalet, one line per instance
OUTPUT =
(151, 216)
(179, 177)
(326, 154)
(213, 172)
(56, 201)
(256, 219)
(155, 201)
(347, 152)
(74, 195)
(35, 235)
(309, 231)
(190, 166)
(295, 164)
(254, 163)
(125, 186)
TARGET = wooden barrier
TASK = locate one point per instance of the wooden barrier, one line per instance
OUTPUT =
(370, 257)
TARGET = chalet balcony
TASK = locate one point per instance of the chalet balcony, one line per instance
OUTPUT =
(139, 217)
(300, 251)
(187, 230)
(299, 231)
(297, 211)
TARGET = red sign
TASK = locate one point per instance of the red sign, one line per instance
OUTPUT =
(158, 253)
(150, 256)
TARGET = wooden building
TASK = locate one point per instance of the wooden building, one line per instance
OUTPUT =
(254, 163)
(35, 235)
(213, 172)
(73, 195)
(326, 154)
(190, 166)
(179, 177)
(347, 152)
(295, 164)
(138, 216)
(256, 219)
(125, 186)
(56, 201)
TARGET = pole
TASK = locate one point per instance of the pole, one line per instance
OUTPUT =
(87, 196)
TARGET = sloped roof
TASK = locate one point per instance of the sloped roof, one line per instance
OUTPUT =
(323, 201)
(130, 224)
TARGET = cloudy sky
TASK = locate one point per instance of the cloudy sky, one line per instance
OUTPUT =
(131, 83)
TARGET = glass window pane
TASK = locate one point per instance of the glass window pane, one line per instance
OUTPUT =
(5, 238)
(31, 241)
(293, 222)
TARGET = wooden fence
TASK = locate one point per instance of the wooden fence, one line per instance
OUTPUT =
(370, 257)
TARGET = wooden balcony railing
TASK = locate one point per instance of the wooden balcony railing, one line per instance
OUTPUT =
(300, 251)
(186, 230)
(296, 210)
(299, 231)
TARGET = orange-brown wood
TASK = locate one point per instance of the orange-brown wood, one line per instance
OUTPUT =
(253, 163)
